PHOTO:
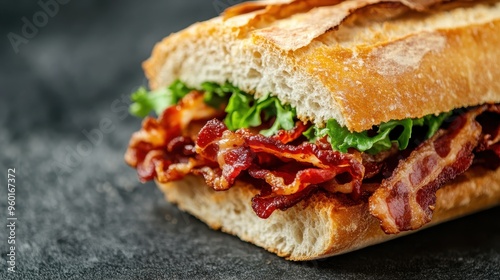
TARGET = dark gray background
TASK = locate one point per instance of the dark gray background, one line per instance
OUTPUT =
(86, 216)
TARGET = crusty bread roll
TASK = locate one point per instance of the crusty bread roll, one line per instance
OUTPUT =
(373, 68)
(317, 227)
(361, 63)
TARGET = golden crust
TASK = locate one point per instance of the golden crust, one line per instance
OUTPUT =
(320, 226)
(399, 87)
(368, 63)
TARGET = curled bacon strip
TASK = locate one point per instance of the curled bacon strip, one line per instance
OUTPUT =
(264, 206)
(488, 149)
(287, 183)
(326, 165)
(406, 200)
(217, 144)
(490, 138)
(287, 169)
(287, 136)
(163, 148)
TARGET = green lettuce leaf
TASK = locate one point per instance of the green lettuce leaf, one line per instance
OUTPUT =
(380, 139)
(244, 111)
(435, 122)
(285, 116)
(216, 95)
(145, 101)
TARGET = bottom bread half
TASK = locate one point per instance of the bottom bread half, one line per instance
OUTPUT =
(320, 226)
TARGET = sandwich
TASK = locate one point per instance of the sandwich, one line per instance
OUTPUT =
(313, 128)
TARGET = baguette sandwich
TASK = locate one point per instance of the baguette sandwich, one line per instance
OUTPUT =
(313, 128)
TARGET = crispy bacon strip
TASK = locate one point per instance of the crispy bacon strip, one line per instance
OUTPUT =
(264, 206)
(327, 164)
(488, 149)
(237, 151)
(287, 136)
(406, 200)
(279, 180)
(160, 149)
(217, 144)
(491, 129)
(495, 149)
(381, 162)
(287, 169)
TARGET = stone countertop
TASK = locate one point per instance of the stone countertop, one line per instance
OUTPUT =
(81, 213)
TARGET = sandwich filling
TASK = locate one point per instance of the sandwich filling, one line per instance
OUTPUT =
(224, 134)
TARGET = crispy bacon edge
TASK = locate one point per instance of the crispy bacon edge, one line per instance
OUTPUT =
(164, 148)
(291, 172)
(406, 200)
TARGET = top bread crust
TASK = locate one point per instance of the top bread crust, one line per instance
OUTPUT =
(359, 62)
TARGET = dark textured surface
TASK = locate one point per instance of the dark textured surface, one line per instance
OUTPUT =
(86, 216)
